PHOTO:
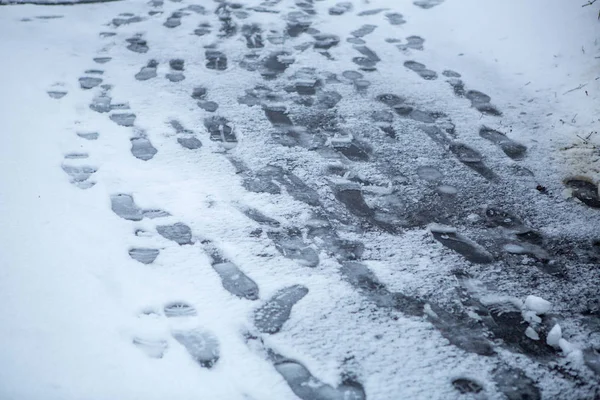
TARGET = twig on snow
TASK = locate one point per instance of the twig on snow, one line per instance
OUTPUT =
(577, 88)
(589, 3)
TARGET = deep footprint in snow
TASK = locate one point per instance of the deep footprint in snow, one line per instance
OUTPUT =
(89, 82)
(307, 387)
(325, 41)
(221, 130)
(290, 244)
(180, 233)
(481, 102)
(371, 12)
(466, 385)
(123, 119)
(514, 150)
(178, 309)
(263, 181)
(124, 206)
(137, 44)
(154, 348)
(144, 255)
(351, 196)
(421, 70)
(79, 175)
(253, 35)
(177, 68)
(147, 72)
(270, 317)
(142, 148)
(57, 93)
(202, 345)
(585, 191)
(467, 248)
(216, 60)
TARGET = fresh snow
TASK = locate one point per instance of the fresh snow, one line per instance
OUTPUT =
(136, 260)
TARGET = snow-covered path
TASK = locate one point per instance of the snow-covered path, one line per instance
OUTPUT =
(299, 199)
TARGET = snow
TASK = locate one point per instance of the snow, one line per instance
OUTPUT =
(82, 319)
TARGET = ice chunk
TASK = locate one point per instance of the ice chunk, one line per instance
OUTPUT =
(538, 305)
(554, 336)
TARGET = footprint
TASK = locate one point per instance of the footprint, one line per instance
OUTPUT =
(253, 35)
(353, 149)
(466, 385)
(515, 385)
(216, 60)
(364, 30)
(190, 143)
(307, 387)
(101, 102)
(390, 100)
(429, 174)
(202, 345)
(277, 116)
(472, 159)
(275, 64)
(371, 12)
(102, 60)
(421, 70)
(262, 219)
(467, 248)
(325, 41)
(154, 348)
(235, 281)
(123, 119)
(203, 29)
(89, 82)
(270, 317)
(360, 277)
(221, 130)
(142, 148)
(124, 206)
(137, 44)
(180, 233)
(174, 20)
(126, 21)
(585, 191)
(514, 150)
(144, 255)
(395, 18)
(427, 4)
(79, 175)
(481, 102)
(177, 67)
(179, 309)
(147, 72)
(57, 94)
(340, 8)
(76, 156)
(290, 244)
(88, 135)
(351, 196)
(352, 75)
(412, 42)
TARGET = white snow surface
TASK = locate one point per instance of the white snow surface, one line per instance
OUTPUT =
(73, 298)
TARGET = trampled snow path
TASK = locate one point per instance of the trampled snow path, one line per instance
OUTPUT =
(293, 199)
